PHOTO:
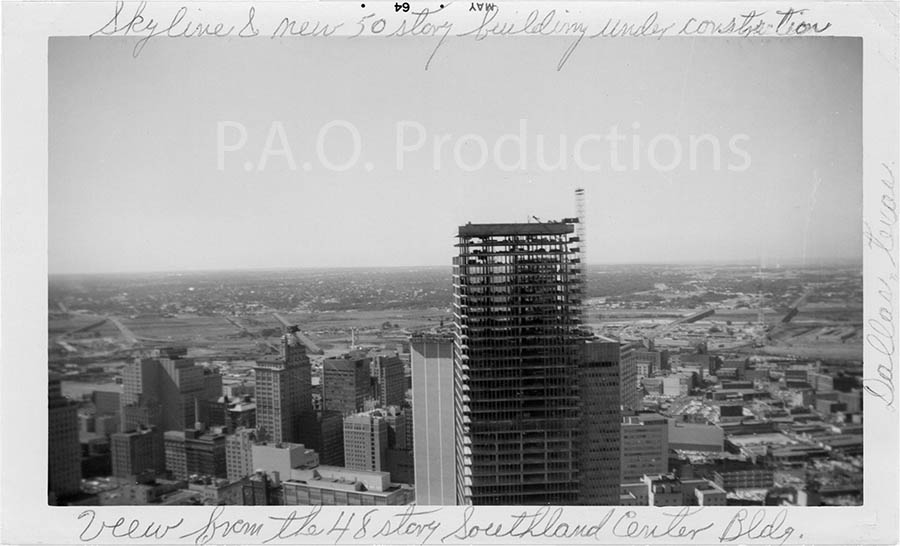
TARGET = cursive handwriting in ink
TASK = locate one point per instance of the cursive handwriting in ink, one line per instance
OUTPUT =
(882, 237)
(410, 523)
(135, 529)
(542, 523)
(297, 525)
(422, 27)
(746, 24)
(536, 23)
(249, 30)
(882, 327)
(789, 26)
(292, 27)
(147, 27)
(628, 527)
(216, 527)
(739, 527)
(649, 28)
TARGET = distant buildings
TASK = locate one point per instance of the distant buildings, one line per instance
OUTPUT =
(366, 441)
(219, 491)
(283, 458)
(96, 459)
(195, 452)
(64, 448)
(283, 390)
(395, 418)
(390, 382)
(107, 403)
(679, 384)
(241, 414)
(695, 436)
(205, 452)
(176, 456)
(262, 490)
(239, 453)
(161, 391)
(733, 369)
(345, 383)
(599, 442)
(741, 475)
(645, 446)
(669, 490)
(323, 431)
(137, 453)
(400, 465)
(519, 405)
(709, 363)
(330, 486)
(431, 359)
(649, 361)
(628, 378)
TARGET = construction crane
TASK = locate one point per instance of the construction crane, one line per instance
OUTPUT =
(580, 229)
(260, 341)
(295, 329)
(581, 234)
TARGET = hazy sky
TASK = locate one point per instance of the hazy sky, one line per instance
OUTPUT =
(135, 183)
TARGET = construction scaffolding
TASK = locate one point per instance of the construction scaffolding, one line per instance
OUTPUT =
(517, 302)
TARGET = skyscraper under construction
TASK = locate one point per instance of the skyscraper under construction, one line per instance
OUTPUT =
(521, 427)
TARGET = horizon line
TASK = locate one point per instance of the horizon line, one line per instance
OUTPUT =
(793, 264)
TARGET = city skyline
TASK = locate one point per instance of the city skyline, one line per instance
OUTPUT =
(169, 208)
(835, 262)
(549, 375)
(682, 392)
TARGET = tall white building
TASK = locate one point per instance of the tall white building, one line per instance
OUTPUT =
(365, 441)
(431, 360)
(239, 453)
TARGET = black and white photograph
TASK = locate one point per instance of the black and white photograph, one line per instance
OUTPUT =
(530, 259)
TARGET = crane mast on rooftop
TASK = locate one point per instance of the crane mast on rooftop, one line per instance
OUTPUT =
(582, 246)
(580, 229)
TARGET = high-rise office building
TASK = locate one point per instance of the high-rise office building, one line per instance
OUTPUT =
(645, 446)
(137, 453)
(279, 459)
(176, 455)
(399, 455)
(241, 414)
(390, 382)
(162, 390)
(517, 355)
(599, 450)
(431, 360)
(346, 383)
(212, 384)
(648, 361)
(283, 390)
(628, 378)
(330, 486)
(323, 431)
(261, 489)
(107, 402)
(64, 448)
(410, 426)
(194, 451)
(365, 441)
(239, 453)
(205, 451)
(395, 418)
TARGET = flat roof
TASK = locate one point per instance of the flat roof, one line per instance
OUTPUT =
(488, 230)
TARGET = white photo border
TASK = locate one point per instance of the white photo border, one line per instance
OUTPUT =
(26, 517)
